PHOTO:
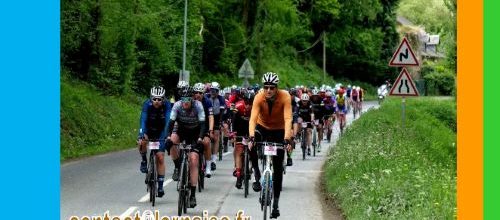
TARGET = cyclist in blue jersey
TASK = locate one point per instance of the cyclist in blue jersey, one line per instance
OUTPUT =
(155, 116)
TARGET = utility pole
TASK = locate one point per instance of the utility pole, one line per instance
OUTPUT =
(184, 76)
(324, 57)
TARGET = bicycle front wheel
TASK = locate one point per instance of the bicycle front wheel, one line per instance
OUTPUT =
(303, 144)
(246, 174)
(181, 204)
(221, 148)
(266, 195)
(201, 174)
(153, 179)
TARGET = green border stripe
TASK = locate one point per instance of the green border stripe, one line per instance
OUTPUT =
(491, 107)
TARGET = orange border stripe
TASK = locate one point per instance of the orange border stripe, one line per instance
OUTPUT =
(470, 109)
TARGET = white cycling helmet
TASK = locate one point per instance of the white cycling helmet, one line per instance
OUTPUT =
(215, 85)
(182, 84)
(314, 92)
(328, 94)
(199, 87)
(304, 97)
(157, 92)
(270, 78)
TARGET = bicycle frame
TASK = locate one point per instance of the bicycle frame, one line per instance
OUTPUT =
(266, 194)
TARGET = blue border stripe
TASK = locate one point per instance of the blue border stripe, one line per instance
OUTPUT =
(29, 88)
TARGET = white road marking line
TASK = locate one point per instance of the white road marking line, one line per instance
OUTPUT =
(224, 154)
(145, 198)
(128, 212)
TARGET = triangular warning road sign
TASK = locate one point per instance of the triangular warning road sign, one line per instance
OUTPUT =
(404, 55)
(404, 85)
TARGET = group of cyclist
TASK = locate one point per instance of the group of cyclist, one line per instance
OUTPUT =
(254, 114)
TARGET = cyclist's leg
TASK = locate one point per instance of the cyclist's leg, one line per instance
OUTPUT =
(260, 135)
(193, 167)
(215, 145)
(309, 136)
(207, 153)
(174, 154)
(143, 151)
(238, 152)
(160, 164)
(193, 163)
(277, 136)
(320, 131)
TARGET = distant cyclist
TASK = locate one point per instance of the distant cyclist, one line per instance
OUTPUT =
(341, 109)
(348, 93)
(198, 94)
(319, 113)
(155, 116)
(219, 109)
(329, 119)
(305, 113)
(272, 117)
(361, 98)
(355, 99)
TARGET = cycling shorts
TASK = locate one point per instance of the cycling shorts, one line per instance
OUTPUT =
(342, 109)
(190, 136)
(217, 122)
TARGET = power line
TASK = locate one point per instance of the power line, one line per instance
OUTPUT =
(317, 41)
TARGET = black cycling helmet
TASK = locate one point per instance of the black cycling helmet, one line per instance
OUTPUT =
(185, 91)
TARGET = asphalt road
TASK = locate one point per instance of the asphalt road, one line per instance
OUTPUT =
(111, 183)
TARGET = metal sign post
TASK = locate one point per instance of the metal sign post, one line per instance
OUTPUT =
(403, 106)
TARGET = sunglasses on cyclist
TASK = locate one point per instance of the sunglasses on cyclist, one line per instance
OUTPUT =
(269, 87)
(157, 99)
(185, 99)
(201, 93)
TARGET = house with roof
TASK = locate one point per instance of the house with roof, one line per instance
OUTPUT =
(427, 43)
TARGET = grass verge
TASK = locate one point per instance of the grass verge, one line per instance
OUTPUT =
(379, 170)
(92, 123)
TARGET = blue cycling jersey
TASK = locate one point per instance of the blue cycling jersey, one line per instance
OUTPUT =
(154, 120)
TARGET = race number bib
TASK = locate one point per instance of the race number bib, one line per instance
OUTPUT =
(154, 145)
(270, 150)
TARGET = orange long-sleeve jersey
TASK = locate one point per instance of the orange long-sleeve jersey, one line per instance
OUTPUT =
(274, 117)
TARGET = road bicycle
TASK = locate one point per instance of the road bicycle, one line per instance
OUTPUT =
(183, 185)
(269, 149)
(152, 174)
